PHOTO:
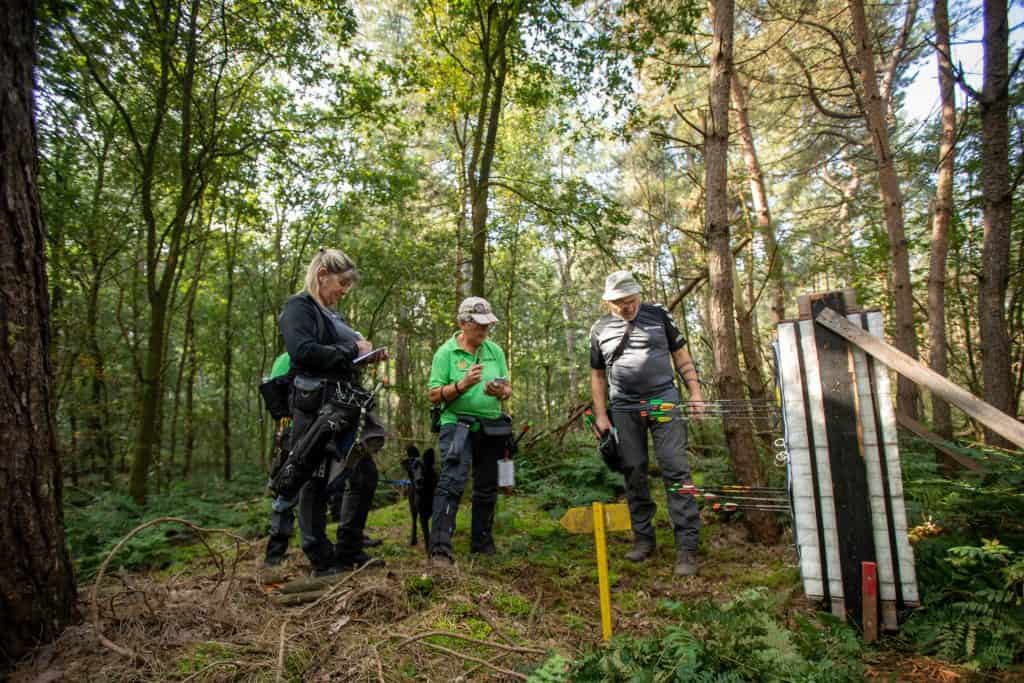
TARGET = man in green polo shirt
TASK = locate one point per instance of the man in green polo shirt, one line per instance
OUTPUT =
(469, 376)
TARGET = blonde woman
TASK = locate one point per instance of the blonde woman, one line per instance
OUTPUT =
(322, 347)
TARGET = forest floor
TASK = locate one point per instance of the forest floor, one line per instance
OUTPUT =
(214, 615)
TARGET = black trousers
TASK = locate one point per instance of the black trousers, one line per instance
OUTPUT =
(312, 506)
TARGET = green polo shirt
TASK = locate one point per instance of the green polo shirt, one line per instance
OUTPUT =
(452, 362)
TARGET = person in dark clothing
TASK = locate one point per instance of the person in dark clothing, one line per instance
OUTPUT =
(635, 352)
(322, 346)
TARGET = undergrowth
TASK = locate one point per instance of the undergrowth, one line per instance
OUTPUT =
(970, 560)
(743, 640)
(94, 526)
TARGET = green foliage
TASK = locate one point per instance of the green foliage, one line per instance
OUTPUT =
(554, 670)
(742, 640)
(973, 607)
(94, 529)
(566, 476)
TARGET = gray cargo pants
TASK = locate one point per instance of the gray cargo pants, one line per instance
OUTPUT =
(670, 451)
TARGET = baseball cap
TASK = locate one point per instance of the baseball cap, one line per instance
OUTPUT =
(478, 309)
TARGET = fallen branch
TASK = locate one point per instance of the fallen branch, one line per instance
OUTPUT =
(335, 589)
(459, 636)
(477, 660)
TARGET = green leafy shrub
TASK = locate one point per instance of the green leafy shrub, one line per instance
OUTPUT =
(566, 476)
(94, 529)
(973, 609)
(742, 640)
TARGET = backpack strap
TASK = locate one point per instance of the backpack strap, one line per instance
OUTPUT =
(622, 343)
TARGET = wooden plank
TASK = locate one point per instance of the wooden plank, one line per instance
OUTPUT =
(886, 565)
(993, 418)
(936, 441)
(823, 476)
(849, 475)
(801, 473)
(890, 438)
(869, 596)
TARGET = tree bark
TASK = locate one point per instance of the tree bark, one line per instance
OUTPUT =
(37, 583)
(759, 193)
(498, 21)
(739, 436)
(996, 214)
(231, 247)
(937, 343)
(892, 205)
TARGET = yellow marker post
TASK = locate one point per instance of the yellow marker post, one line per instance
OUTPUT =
(600, 519)
(604, 590)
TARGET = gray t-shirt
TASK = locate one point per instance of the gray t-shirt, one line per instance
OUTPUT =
(644, 370)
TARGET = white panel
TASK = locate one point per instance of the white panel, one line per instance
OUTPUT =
(873, 470)
(801, 481)
(817, 412)
(883, 389)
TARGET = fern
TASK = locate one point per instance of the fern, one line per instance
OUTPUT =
(739, 641)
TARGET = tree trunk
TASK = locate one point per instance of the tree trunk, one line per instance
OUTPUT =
(565, 258)
(37, 583)
(937, 343)
(892, 204)
(995, 184)
(231, 247)
(403, 376)
(189, 423)
(739, 436)
(759, 193)
(499, 20)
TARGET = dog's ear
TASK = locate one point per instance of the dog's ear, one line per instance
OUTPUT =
(412, 451)
(428, 457)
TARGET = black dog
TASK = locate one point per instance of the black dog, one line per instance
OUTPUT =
(420, 492)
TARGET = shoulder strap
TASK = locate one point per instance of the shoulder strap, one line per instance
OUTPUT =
(622, 343)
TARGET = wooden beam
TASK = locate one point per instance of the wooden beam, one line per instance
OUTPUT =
(937, 442)
(988, 415)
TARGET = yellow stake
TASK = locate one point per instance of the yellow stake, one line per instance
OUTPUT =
(602, 573)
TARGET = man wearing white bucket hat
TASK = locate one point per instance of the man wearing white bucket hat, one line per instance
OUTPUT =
(635, 352)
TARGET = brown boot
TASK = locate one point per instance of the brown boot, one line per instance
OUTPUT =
(686, 563)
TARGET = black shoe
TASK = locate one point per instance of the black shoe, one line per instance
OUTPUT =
(371, 542)
(328, 571)
(273, 561)
(349, 562)
(485, 549)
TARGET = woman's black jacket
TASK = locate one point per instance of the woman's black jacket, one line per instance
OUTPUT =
(317, 345)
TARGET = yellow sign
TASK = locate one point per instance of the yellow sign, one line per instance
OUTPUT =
(599, 519)
(581, 520)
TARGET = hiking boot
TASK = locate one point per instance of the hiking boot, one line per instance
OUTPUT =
(272, 561)
(441, 561)
(327, 571)
(686, 563)
(371, 542)
(640, 552)
(485, 549)
(348, 562)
